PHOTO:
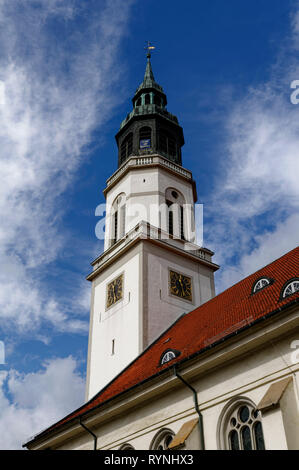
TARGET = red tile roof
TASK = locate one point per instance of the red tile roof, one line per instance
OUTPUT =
(228, 312)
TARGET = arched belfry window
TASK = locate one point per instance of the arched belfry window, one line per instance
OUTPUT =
(240, 427)
(147, 99)
(145, 137)
(118, 225)
(126, 147)
(175, 202)
(157, 100)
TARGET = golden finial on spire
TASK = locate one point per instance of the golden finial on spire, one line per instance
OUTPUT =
(149, 47)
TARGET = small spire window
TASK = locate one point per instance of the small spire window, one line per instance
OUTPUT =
(157, 100)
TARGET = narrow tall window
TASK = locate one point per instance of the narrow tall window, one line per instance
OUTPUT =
(167, 144)
(126, 147)
(122, 221)
(113, 347)
(162, 142)
(147, 99)
(157, 100)
(171, 147)
(170, 217)
(115, 226)
(182, 222)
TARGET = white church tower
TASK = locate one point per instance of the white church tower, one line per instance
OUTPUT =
(151, 270)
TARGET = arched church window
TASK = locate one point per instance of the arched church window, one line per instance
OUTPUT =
(261, 284)
(126, 147)
(118, 229)
(145, 137)
(290, 288)
(162, 439)
(241, 427)
(175, 202)
(147, 99)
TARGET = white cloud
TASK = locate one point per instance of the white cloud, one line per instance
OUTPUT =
(54, 94)
(37, 400)
(255, 208)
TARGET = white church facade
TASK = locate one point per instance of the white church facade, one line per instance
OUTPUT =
(170, 365)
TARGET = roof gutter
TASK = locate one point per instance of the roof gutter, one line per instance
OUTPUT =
(90, 432)
(200, 420)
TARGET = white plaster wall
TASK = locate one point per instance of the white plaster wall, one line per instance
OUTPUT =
(158, 299)
(120, 323)
(250, 376)
(145, 188)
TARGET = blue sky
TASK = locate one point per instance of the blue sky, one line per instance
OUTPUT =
(68, 71)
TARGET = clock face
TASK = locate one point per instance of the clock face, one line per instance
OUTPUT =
(115, 291)
(180, 285)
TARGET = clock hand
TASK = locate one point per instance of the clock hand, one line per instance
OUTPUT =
(180, 280)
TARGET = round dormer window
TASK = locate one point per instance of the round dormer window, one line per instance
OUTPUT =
(290, 288)
(261, 284)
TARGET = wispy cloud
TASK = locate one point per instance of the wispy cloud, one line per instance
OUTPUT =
(55, 91)
(256, 200)
(37, 399)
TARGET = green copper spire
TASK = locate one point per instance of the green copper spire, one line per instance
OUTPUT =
(150, 128)
(149, 80)
(149, 76)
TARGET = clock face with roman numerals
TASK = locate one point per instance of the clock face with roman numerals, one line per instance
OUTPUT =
(115, 291)
(180, 285)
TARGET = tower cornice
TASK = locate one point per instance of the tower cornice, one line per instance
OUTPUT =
(147, 160)
(144, 232)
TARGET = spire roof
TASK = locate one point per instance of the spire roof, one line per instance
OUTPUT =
(149, 80)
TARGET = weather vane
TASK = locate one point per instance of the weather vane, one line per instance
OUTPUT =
(149, 47)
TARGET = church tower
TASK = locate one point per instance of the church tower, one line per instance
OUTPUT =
(151, 270)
